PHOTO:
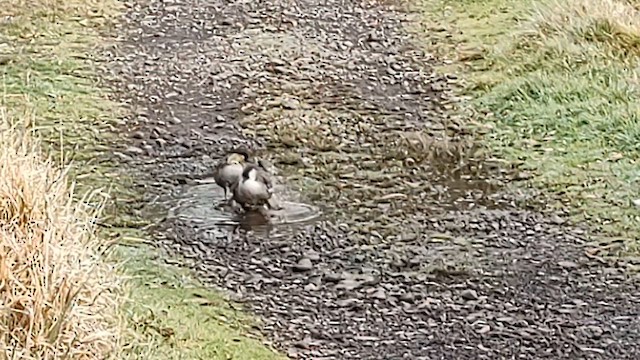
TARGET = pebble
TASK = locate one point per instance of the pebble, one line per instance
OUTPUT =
(135, 150)
(469, 294)
(312, 255)
(303, 264)
(568, 264)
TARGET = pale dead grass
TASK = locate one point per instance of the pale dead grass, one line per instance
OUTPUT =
(59, 299)
(612, 23)
(85, 11)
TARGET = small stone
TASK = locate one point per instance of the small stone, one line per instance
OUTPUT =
(348, 284)
(485, 329)
(568, 264)
(134, 150)
(332, 277)
(408, 297)
(379, 294)
(291, 104)
(557, 220)
(293, 353)
(523, 175)
(469, 294)
(348, 302)
(312, 255)
(594, 332)
(303, 265)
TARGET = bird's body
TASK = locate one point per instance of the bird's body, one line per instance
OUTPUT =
(254, 190)
(229, 172)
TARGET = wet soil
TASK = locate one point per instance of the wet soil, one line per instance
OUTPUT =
(400, 241)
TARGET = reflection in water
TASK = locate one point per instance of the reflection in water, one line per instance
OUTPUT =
(201, 205)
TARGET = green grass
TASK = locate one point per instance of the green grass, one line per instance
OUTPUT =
(176, 317)
(556, 84)
(48, 86)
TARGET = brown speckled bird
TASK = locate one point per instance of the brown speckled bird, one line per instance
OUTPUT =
(229, 171)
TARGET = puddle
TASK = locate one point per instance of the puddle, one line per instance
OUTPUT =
(458, 192)
(200, 206)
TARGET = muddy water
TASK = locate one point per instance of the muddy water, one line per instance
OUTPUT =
(202, 205)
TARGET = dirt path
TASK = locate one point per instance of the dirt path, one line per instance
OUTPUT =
(419, 256)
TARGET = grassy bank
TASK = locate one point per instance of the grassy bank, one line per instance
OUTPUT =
(554, 84)
(49, 87)
(58, 297)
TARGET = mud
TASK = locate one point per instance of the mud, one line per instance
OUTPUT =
(400, 240)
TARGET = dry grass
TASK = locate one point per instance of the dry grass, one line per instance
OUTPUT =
(58, 297)
(49, 85)
(612, 23)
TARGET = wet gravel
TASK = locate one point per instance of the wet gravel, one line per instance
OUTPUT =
(420, 256)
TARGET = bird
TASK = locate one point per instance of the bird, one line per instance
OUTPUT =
(254, 189)
(228, 172)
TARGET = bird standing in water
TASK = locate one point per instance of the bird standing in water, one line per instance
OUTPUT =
(254, 189)
(229, 171)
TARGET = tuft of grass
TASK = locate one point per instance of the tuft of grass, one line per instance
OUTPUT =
(58, 297)
(612, 24)
(556, 84)
(49, 88)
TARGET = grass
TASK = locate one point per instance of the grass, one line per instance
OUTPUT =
(176, 317)
(49, 88)
(58, 297)
(554, 84)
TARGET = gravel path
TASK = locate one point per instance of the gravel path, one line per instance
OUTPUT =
(420, 255)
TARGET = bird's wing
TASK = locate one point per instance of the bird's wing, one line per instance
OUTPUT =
(266, 180)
